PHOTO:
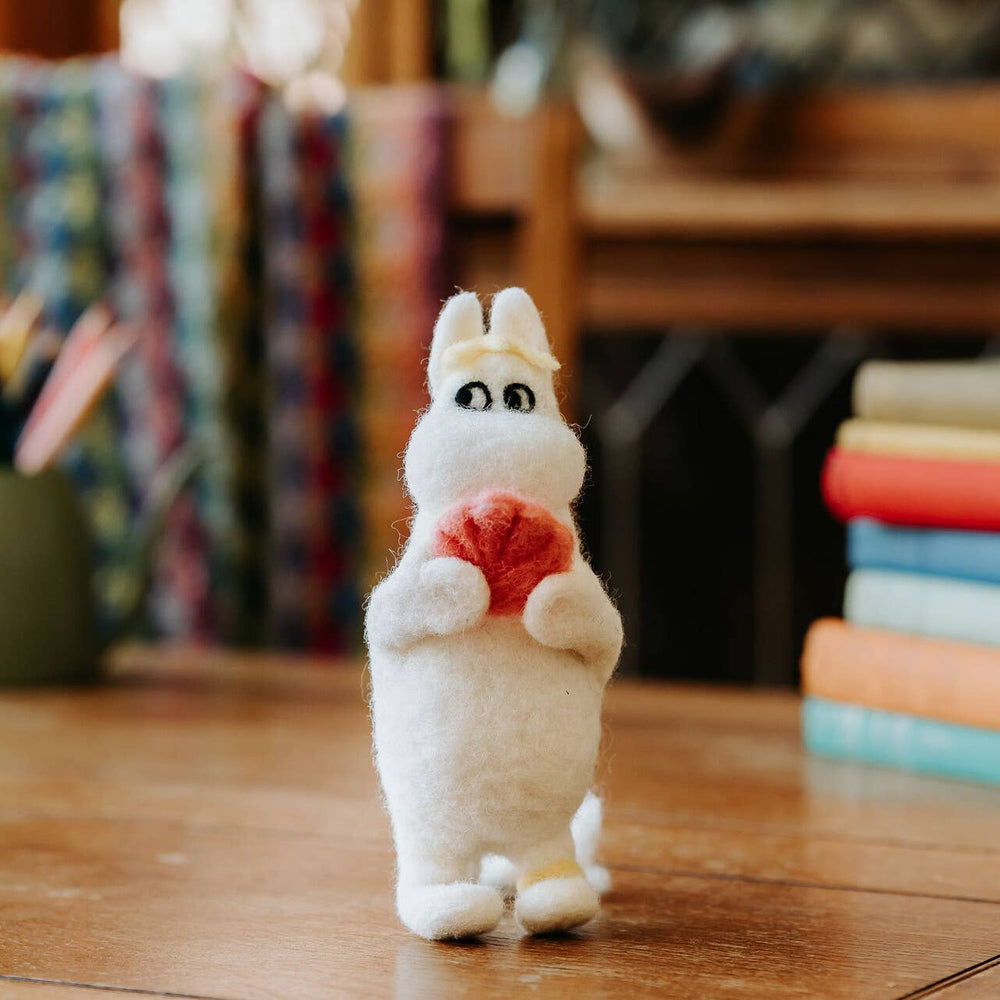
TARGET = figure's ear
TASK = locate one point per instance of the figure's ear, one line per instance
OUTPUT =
(460, 319)
(513, 316)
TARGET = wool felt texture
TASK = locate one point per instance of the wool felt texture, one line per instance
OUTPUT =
(487, 726)
(586, 830)
(467, 351)
(514, 542)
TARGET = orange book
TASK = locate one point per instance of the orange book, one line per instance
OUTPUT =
(933, 678)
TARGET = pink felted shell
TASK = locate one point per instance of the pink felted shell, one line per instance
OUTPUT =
(515, 542)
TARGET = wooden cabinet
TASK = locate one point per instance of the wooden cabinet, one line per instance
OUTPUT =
(57, 29)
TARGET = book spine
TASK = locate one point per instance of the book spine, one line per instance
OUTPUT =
(924, 605)
(893, 739)
(903, 490)
(958, 394)
(919, 440)
(899, 673)
(965, 555)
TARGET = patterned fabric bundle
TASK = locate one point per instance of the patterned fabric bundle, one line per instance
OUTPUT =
(150, 386)
(17, 112)
(199, 142)
(268, 258)
(286, 363)
(311, 357)
(61, 253)
(397, 174)
(242, 331)
(108, 195)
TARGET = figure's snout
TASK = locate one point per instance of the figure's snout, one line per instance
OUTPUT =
(456, 454)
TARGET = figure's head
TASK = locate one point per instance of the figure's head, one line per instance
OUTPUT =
(493, 422)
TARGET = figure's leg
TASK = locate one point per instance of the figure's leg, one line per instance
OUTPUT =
(437, 897)
(500, 873)
(586, 830)
(552, 892)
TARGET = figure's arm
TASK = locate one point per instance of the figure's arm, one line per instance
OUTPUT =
(439, 596)
(572, 611)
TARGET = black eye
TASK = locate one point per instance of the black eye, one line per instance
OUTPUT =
(517, 396)
(474, 396)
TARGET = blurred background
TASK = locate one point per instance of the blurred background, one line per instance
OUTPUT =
(720, 208)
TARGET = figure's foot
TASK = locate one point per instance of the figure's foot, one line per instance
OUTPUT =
(556, 904)
(452, 910)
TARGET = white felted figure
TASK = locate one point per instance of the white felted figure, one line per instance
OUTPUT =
(491, 641)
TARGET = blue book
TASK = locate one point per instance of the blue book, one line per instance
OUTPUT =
(892, 739)
(918, 604)
(968, 555)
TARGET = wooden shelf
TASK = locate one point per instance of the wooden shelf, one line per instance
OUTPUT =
(878, 208)
(779, 209)
(55, 29)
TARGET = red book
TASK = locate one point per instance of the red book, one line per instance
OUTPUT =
(903, 490)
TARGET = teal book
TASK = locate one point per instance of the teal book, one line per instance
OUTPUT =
(969, 555)
(917, 604)
(852, 732)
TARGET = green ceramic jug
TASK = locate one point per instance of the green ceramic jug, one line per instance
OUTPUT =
(47, 622)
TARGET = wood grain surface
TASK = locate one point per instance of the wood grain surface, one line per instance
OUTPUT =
(208, 825)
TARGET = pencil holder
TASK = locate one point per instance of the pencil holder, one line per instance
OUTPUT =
(47, 629)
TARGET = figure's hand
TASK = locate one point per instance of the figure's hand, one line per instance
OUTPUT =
(571, 611)
(555, 610)
(454, 594)
(439, 597)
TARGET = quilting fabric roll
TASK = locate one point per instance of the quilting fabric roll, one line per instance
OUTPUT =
(285, 344)
(398, 176)
(197, 551)
(312, 360)
(12, 165)
(130, 190)
(186, 203)
(150, 388)
(244, 350)
(22, 100)
(63, 256)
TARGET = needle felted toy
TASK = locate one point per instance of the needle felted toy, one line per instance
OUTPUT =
(491, 642)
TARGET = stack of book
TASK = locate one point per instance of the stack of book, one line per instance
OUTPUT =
(911, 677)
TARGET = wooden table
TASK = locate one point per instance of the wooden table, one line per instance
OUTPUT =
(209, 826)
